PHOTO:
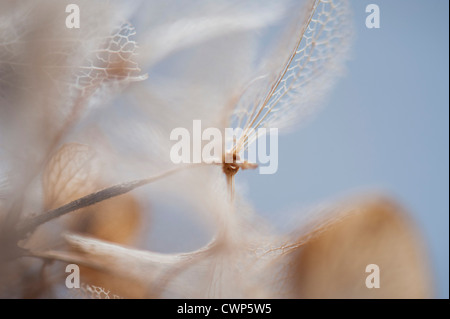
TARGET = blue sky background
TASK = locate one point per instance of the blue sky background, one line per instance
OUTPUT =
(385, 127)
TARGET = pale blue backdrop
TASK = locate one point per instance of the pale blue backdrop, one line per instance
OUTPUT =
(385, 128)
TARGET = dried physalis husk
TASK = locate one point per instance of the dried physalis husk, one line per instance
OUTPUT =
(71, 173)
(332, 263)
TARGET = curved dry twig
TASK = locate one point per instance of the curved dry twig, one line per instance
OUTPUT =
(91, 199)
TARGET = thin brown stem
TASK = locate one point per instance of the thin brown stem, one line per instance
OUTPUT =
(230, 183)
(88, 200)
